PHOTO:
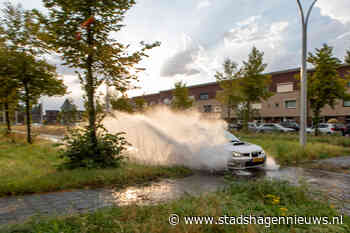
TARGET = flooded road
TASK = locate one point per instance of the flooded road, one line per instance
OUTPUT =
(17, 209)
(335, 186)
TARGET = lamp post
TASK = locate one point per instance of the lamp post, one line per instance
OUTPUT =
(303, 73)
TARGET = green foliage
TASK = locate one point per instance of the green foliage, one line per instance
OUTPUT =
(9, 92)
(81, 32)
(229, 96)
(181, 99)
(69, 112)
(244, 87)
(34, 77)
(121, 104)
(325, 85)
(27, 168)
(81, 153)
(140, 104)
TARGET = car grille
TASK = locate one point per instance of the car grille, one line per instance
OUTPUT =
(255, 154)
(250, 163)
(246, 154)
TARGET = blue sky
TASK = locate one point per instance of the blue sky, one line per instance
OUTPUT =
(197, 35)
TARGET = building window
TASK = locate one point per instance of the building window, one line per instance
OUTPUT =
(207, 108)
(277, 105)
(346, 103)
(290, 103)
(203, 96)
(284, 87)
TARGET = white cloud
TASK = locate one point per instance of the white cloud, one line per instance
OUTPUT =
(203, 4)
(254, 30)
(336, 9)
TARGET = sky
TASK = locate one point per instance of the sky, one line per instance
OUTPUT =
(198, 35)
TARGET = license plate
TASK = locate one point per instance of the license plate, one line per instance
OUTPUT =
(256, 160)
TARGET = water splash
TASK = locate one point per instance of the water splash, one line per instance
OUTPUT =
(164, 137)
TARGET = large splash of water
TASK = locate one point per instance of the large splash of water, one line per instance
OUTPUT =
(164, 137)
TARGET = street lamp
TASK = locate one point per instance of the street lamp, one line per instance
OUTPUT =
(303, 73)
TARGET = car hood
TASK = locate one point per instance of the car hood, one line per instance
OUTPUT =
(245, 148)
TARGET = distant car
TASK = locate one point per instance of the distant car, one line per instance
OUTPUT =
(272, 127)
(291, 125)
(346, 131)
(233, 126)
(37, 124)
(310, 130)
(340, 128)
(252, 127)
(244, 155)
(325, 128)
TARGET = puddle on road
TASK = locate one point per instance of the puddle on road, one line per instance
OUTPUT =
(336, 186)
(167, 190)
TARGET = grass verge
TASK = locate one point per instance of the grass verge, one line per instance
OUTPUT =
(44, 129)
(258, 198)
(33, 168)
(286, 150)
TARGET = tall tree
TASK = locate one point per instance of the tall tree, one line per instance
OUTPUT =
(253, 83)
(37, 78)
(229, 95)
(246, 86)
(181, 99)
(121, 103)
(325, 85)
(140, 104)
(69, 112)
(9, 88)
(22, 37)
(9, 95)
(81, 31)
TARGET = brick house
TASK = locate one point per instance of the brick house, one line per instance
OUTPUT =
(282, 106)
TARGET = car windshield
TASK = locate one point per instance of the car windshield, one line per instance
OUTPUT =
(232, 138)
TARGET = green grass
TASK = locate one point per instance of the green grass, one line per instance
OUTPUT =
(33, 168)
(259, 198)
(286, 150)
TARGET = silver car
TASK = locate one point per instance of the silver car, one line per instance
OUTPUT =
(272, 127)
(244, 155)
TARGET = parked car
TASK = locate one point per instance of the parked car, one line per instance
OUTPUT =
(346, 131)
(233, 126)
(252, 127)
(291, 125)
(272, 127)
(340, 128)
(244, 155)
(325, 128)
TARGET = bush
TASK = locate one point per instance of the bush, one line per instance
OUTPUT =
(80, 152)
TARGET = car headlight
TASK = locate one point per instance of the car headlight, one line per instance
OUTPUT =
(236, 154)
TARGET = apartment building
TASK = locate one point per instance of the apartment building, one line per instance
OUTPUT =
(282, 106)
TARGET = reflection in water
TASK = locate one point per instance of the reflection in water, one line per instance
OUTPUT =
(166, 190)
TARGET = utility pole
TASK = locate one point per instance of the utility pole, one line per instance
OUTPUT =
(303, 73)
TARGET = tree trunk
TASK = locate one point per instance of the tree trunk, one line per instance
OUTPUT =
(28, 120)
(317, 120)
(7, 116)
(91, 91)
